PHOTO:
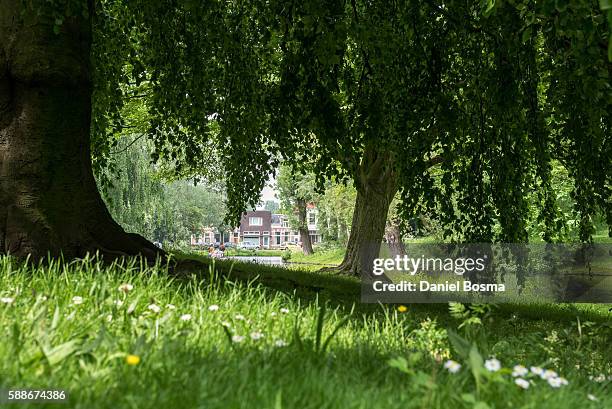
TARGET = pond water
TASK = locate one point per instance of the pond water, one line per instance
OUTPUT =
(267, 260)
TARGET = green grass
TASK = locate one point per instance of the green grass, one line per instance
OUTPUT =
(331, 256)
(51, 342)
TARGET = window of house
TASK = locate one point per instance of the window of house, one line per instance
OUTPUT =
(312, 218)
(278, 238)
(256, 221)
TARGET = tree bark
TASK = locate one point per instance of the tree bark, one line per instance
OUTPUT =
(303, 228)
(376, 187)
(393, 238)
(49, 202)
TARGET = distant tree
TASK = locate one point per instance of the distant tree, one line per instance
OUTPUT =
(296, 191)
(272, 206)
(142, 202)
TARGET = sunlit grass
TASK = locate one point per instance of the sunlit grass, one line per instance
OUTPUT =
(135, 337)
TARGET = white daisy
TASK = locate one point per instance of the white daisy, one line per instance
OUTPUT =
(185, 317)
(256, 335)
(592, 397)
(522, 383)
(284, 310)
(519, 370)
(171, 306)
(536, 370)
(126, 288)
(109, 317)
(557, 382)
(225, 324)
(155, 308)
(280, 343)
(118, 303)
(548, 374)
(492, 365)
(7, 300)
(237, 338)
(599, 378)
(239, 317)
(76, 300)
(213, 307)
(452, 366)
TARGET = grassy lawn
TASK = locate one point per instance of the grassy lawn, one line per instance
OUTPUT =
(203, 341)
(331, 256)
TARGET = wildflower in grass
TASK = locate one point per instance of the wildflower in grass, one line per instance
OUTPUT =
(185, 317)
(557, 382)
(599, 378)
(213, 307)
(402, 308)
(452, 366)
(536, 370)
(171, 306)
(519, 370)
(132, 360)
(155, 308)
(225, 324)
(492, 365)
(109, 317)
(118, 303)
(284, 310)
(239, 317)
(548, 374)
(7, 300)
(592, 397)
(237, 338)
(279, 343)
(256, 335)
(522, 383)
(126, 288)
(76, 300)
(273, 314)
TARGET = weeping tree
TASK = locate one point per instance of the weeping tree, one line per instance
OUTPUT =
(459, 107)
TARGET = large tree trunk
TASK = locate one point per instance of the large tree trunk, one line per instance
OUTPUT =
(376, 187)
(303, 228)
(49, 202)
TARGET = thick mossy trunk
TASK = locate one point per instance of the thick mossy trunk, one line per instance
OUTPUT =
(303, 228)
(376, 188)
(49, 202)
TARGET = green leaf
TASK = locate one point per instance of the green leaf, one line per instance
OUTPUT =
(476, 363)
(468, 397)
(460, 344)
(401, 364)
(490, 7)
(605, 4)
(59, 353)
(526, 35)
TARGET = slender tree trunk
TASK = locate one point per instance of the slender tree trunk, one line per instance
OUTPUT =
(49, 202)
(393, 237)
(376, 187)
(303, 228)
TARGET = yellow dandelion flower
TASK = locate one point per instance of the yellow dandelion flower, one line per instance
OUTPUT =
(402, 308)
(132, 359)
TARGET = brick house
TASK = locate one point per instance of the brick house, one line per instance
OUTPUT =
(271, 231)
(256, 227)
